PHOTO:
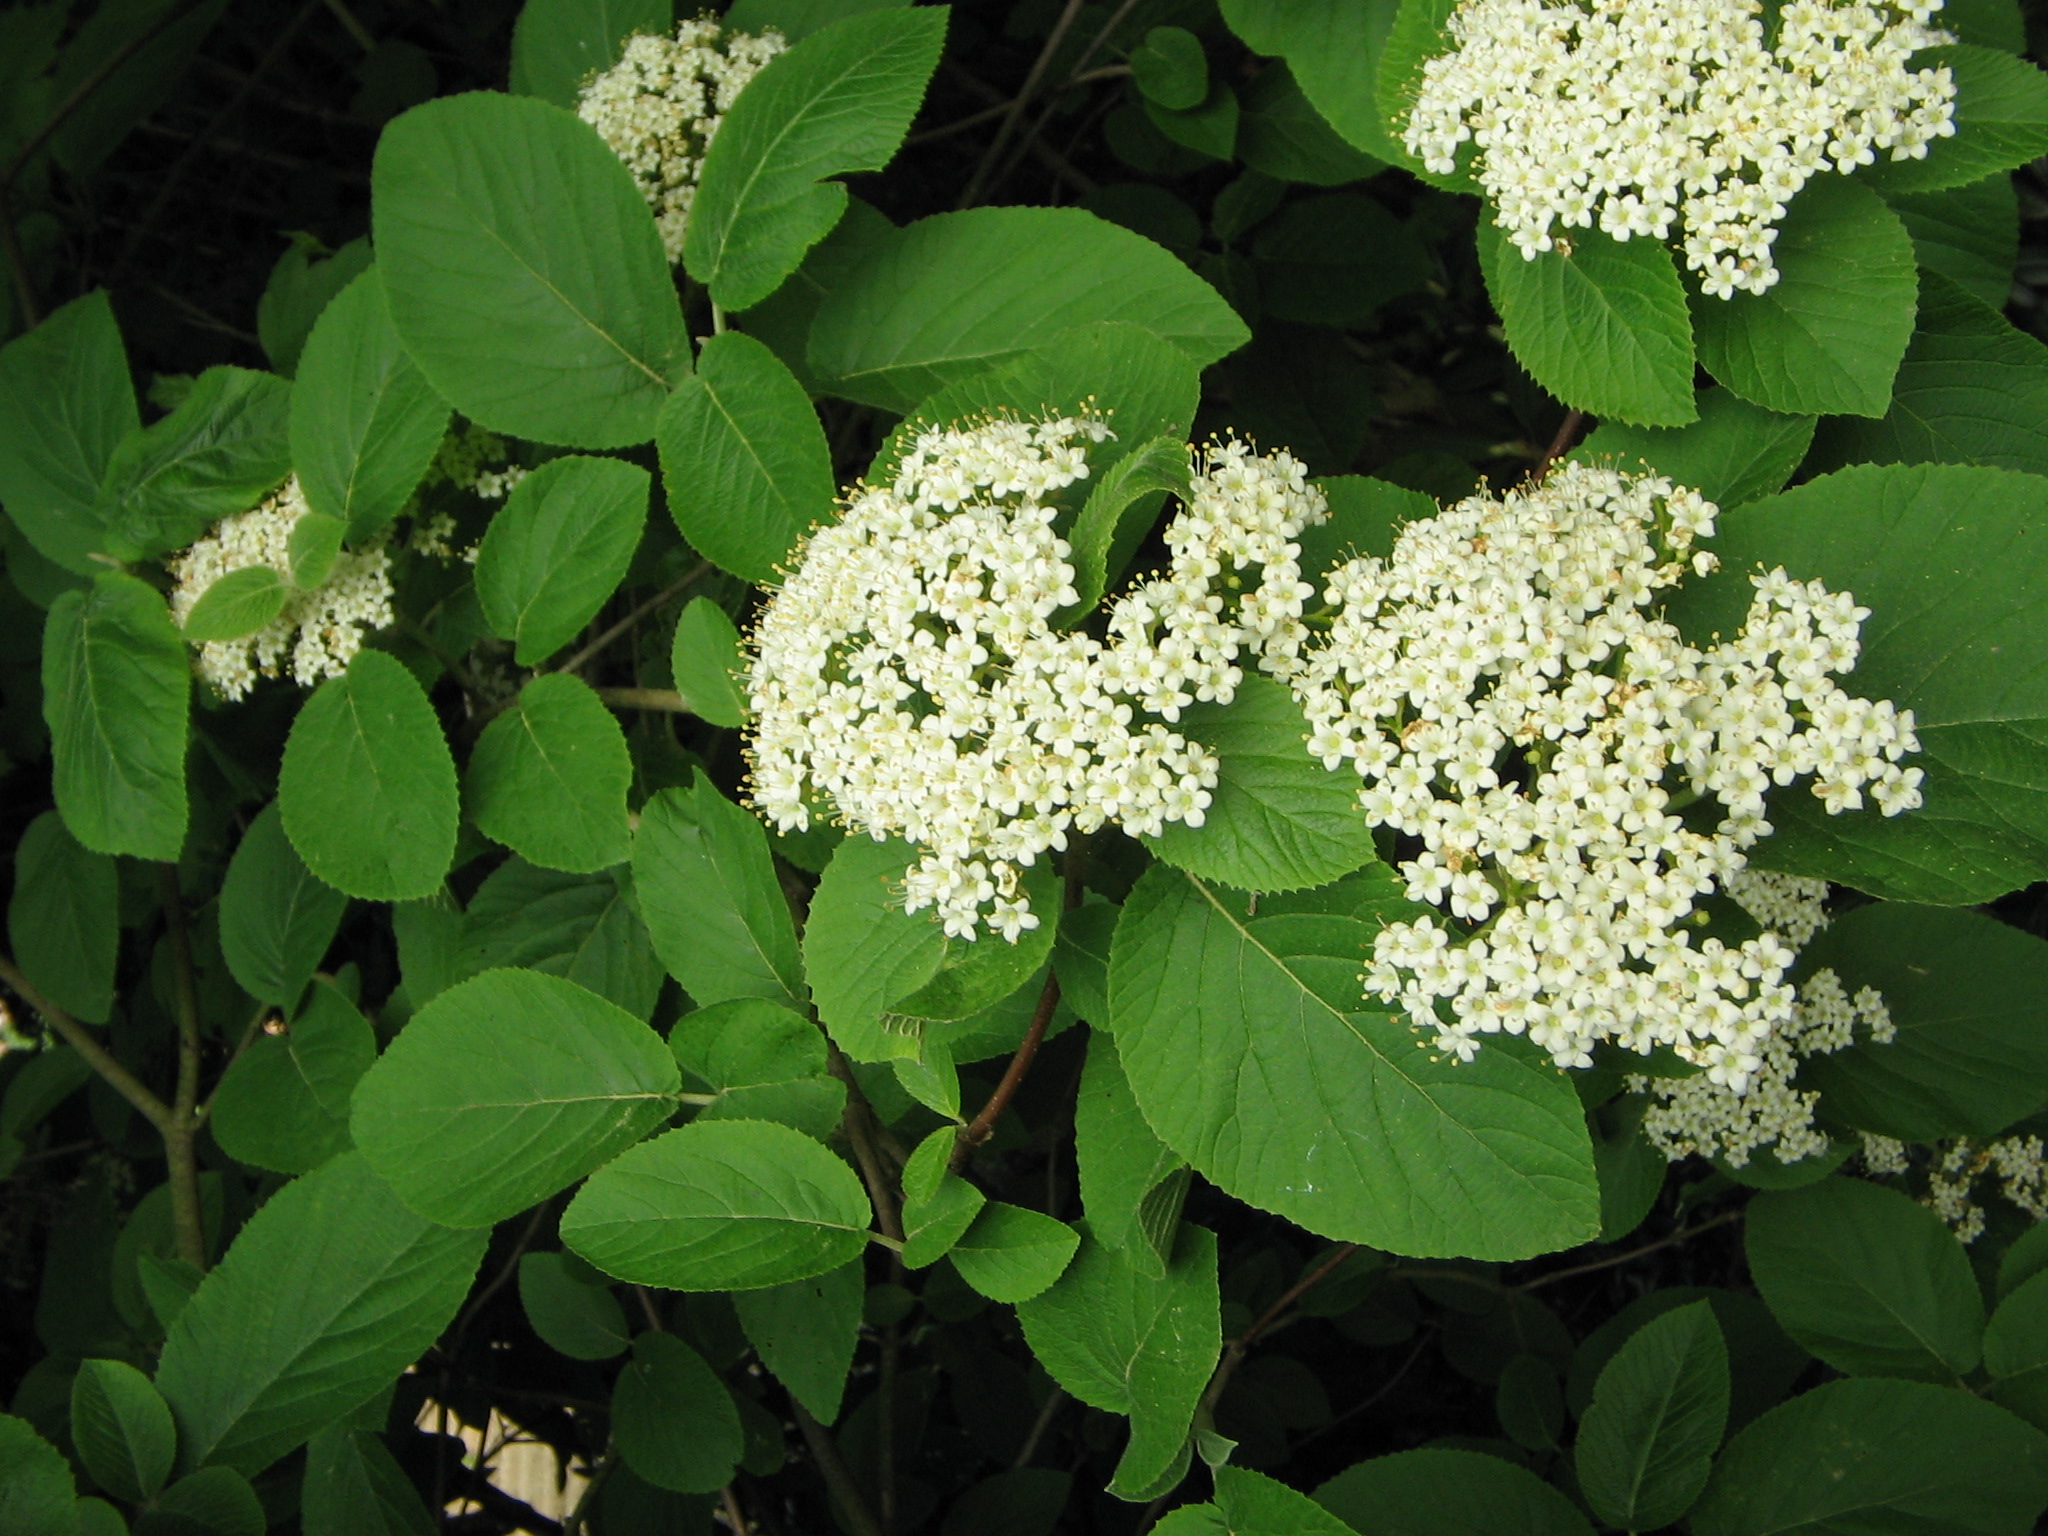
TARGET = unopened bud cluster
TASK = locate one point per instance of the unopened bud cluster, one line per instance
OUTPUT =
(909, 671)
(317, 632)
(1645, 115)
(660, 106)
(1576, 774)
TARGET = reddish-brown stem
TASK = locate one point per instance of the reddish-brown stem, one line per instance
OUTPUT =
(1235, 1351)
(181, 1134)
(983, 1125)
(1560, 445)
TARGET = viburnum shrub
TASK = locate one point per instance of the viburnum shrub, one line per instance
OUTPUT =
(1273, 768)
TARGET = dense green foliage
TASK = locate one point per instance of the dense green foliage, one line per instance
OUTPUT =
(434, 1050)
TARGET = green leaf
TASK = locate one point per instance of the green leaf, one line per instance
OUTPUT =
(705, 658)
(365, 422)
(2016, 1351)
(1334, 50)
(1119, 511)
(236, 605)
(1827, 337)
(583, 1321)
(301, 286)
(1970, 235)
(504, 1089)
(1081, 957)
(1254, 1055)
(862, 951)
(1170, 68)
(1132, 1343)
(122, 1429)
(276, 920)
(1011, 1254)
(958, 292)
(1366, 515)
(1600, 323)
(723, 1205)
(367, 787)
(283, 1103)
(743, 459)
(557, 45)
(582, 927)
(2001, 119)
(762, 1062)
(975, 974)
(1878, 1456)
(938, 1205)
(314, 542)
(115, 684)
(524, 272)
(65, 405)
(329, 1292)
(37, 1495)
(1119, 1159)
(64, 921)
(839, 101)
(712, 903)
(1964, 990)
(1936, 552)
(1972, 390)
(1024, 1501)
(559, 549)
(805, 1332)
(1734, 453)
(1866, 1278)
(1448, 1493)
(1279, 821)
(1646, 1445)
(116, 82)
(1254, 1505)
(224, 447)
(353, 1487)
(1283, 135)
(549, 778)
(673, 1419)
(214, 1501)
(1337, 260)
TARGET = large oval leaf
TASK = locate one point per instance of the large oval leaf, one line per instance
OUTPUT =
(331, 1290)
(721, 1205)
(276, 919)
(115, 684)
(506, 1088)
(65, 405)
(559, 549)
(1253, 1054)
(367, 787)
(955, 293)
(524, 271)
(549, 778)
(365, 422)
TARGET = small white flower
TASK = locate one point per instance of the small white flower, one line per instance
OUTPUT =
(1669, 119)
(660, 106)
(322, 628)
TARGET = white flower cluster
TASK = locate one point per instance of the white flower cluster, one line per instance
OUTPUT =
(1642, 114)
(660, 105)
(2019, 1163)
(1507, 694)
(322, 628)
(909, 671)
(1791, 906)
(1697, 1114)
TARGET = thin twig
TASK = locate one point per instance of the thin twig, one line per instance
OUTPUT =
(180, 1134)
(688, 580)
(993, 154)
(1053, 1403)
(1235, 1351)
(263, 1012)
(1560, 445)
(25, 298)
(505, 1271)
(983, 1125)
(1681, 1235)
(838, 1476)
(734, 1515)
(665, 701)
(858, 1121)
(176, 173)
(1385, 1387)
(573, 1525)
(79, 1038)
(649, 1309)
